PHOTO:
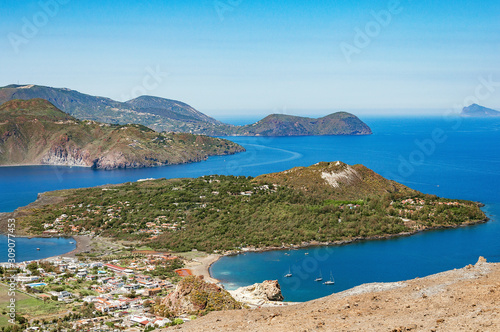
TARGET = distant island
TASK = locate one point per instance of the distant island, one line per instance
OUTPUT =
(167, 115)
(326, 203)
(35, 132)
(479, 111)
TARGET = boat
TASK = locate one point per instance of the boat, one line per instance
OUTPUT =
(289, 274)
(331, 281)
(38, 249)
(320, 278)
(71, 242)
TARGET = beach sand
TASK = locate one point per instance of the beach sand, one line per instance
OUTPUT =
(201, 267)
(82, 244)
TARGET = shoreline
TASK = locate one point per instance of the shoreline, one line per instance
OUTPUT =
(82, 244)
(203, 268)
(335, 243)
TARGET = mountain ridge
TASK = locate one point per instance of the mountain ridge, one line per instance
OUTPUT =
(168, 115)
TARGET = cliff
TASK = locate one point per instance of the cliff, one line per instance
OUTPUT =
(35, 132)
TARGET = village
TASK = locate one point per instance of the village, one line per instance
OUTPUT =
(100, 296)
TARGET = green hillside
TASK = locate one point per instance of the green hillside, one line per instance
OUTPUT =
(35, 132)
(323, 203)
(162, 114)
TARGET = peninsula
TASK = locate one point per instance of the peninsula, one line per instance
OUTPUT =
(35, 132)
(326, 203)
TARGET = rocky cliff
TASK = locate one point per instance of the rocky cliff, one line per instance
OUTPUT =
(35, 132)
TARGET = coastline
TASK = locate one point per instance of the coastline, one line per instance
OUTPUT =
(201, 267)
(305, 245)
(82, 244)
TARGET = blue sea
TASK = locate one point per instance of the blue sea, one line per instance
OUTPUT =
(450, 157)
(26, 248)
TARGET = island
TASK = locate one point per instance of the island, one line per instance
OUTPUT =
(35, 132)
(479, 111)
(168, 115)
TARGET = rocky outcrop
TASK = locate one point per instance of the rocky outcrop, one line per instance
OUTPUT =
(269, 290)
(195, 296)
(265, 294)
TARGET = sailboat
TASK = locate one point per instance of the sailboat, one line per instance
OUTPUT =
(289, 274)
(320, 278)
(331, 281)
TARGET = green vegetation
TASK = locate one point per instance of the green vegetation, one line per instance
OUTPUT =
(167, 115)
(36, 132)
(340, 123)
(228, 212)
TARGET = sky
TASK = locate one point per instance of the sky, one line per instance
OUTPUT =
(242, 57)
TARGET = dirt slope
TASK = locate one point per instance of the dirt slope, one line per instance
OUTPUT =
(467, 299)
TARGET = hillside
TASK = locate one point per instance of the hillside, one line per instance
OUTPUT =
(463, 299)
(337, 181)
(340, 123)
(341, 203)
(476, 110)
(162, 114)
(35, 132)
(157, 113)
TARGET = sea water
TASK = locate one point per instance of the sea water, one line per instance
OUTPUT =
(455, 158)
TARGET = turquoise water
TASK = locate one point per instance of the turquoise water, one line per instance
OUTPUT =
(26, 248)
(446, 157)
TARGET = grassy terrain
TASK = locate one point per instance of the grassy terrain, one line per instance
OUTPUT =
(27, 306)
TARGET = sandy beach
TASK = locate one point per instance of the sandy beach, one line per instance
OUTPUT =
(82, 244)
(201, 267)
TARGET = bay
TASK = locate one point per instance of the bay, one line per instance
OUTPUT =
(26, 248)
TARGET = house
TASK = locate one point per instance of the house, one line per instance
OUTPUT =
(62, 296)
